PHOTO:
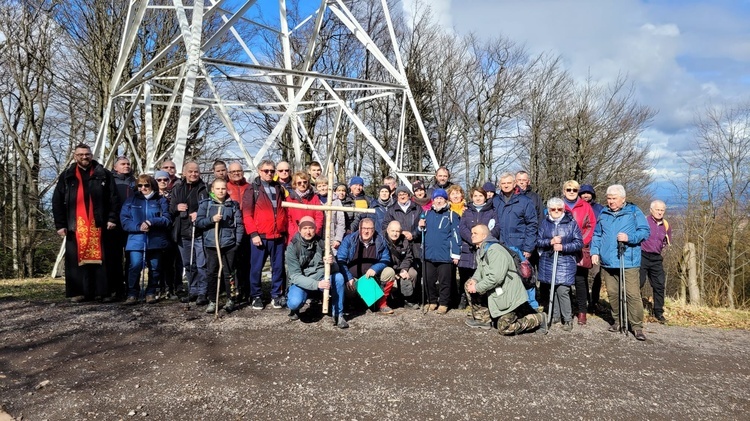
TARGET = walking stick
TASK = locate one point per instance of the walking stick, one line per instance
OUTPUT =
(221, 264)
(142, 292)
(623, 290)
(327, 253)
(552, 288)
(190, 266)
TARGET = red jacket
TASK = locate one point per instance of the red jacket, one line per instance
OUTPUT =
(237, 190)
(258, 214)
(294, 215)
(586, 219)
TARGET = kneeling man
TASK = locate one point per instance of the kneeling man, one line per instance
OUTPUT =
(305, 268)
(506, 297)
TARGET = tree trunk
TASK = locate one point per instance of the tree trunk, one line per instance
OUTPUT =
(692, 279)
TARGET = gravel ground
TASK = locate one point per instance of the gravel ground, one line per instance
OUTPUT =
(109, 362)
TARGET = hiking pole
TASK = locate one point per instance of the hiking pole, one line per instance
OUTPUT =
(190, 266)
(623, 290)
(422, 281)
(552, 288)
(142, 292)
(221, 264)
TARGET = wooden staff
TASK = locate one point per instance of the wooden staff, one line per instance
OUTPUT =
(221, 266)
(328, 228)
(324, 207)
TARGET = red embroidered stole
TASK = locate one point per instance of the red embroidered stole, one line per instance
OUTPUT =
(88, 236)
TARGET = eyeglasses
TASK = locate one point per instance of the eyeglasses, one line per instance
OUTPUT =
(556, 209)
(302, 183)
(571, 190)
(267, 171)
(144, 185)
(282, 170)
(167, 167)
(162, 180)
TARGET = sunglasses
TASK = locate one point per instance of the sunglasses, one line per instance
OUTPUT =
(144, 185)
(556, 209)
(166, 167)
(162, 180)
(302, 183)
(571, 190)
(267, 171)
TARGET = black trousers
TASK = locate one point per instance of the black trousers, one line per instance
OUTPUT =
(652, 266)
(582, 288)
(212, 268)
(439, 280)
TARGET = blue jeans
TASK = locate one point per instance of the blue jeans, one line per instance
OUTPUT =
(297, 296)
(134, 272)
(197, 275)
(275, 250)
(531, 292)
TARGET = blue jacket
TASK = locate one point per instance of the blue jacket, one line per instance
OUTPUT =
(231, 228)
(516, 221)
(471, 218)
(629, 220)
(572, 243)
(441, 243)
(380, 212)
(138, 209)
(349, 246)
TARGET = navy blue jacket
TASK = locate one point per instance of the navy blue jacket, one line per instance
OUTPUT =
(517, 222)
(441, 243)
(380, 212)
(471, 218)
(349, 246)
(138, 209)
(409, 220)
(231, 228)
(572, 243)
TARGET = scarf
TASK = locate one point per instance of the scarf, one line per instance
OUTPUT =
(88, 236)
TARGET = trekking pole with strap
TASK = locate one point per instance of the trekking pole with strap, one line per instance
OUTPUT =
(422, 281)
(190, 266)
(217, 226)
(623, 290)
(552, 287)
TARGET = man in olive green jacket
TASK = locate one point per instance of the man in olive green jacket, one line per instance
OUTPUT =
(496, 276)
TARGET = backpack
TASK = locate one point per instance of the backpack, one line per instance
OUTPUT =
(522, 264)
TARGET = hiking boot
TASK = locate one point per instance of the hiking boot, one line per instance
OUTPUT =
(131, 301)
(412, 306)
(661, 319)
(342, 324)
(385, 310)
(614, 327)
(293, 315)
(108, 299)
(567, 326)
(201, 300)
(257, 303)
(229, 306)
(278, 302)
(542, 330)
(431, 307)
(211, 308)
(442, 310)
(581, 319)
(188, 298)
(462, 303)
(639, 335)
(151, 299)
(478, 324)
(78, 299)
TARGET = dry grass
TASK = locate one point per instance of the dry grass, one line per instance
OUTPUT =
(35, 289)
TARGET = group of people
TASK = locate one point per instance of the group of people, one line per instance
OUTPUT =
(428, 247)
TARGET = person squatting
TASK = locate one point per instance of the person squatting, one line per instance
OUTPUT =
(496, 252)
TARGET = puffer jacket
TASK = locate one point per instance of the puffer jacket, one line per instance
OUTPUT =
(304, 262)
(496, 277)
(441, 243)
(295, 215)
(517, 222)
(572, 243)
(629, 220)
(231, 228)
(471, 218)
(155, 210)
(381, 209)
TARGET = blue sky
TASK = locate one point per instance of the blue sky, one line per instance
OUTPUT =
(681, 55)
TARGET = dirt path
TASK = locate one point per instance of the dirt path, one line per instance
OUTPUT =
(106, 362)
